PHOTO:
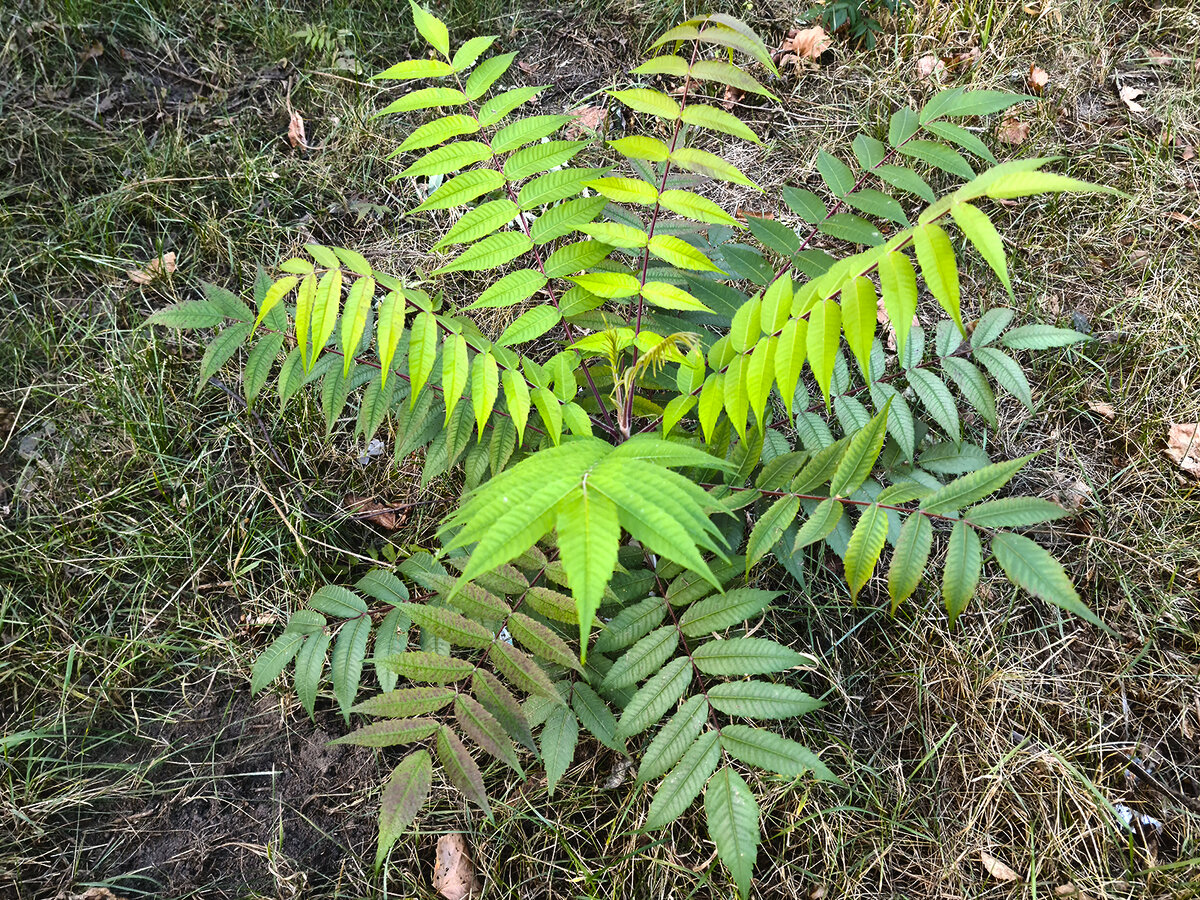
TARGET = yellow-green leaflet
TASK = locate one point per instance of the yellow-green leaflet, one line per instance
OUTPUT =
(649, 101)
(610, 285)
(431, 28)
(454, 371)
(790, 354)
(760, 373)
(354, 318)
(859, 316)
(275, 293)
(776, 304)
(388, 331)
(304, 308)
(712, 401)
(667, 296)
(422, 351)
(325, 312)
(935, 254)
(716, 119)
(615, 234)
(516, 395)
(485, 388)
(624, 190)
(693, 206)
(737, 396)
(705, 163)
(641, 147)
(681, 254)
(898, 280)
(824, 333)
(551, 413)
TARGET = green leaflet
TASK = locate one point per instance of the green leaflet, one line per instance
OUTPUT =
(485, 388)
(630, 624)
(964, 563)
(643, 658)
(866, 543)
(527, 130)
(673, 739)
(769, 751)
(489, 253)
(560, 734)
(448, 158)
(1029, 566)
(593, 713)
(461, 769)
(354, 318)
(973, 486)
(424, 98)
(731, 813)
(819, 525)
(511, 289)
(824, 334)
(909, 558)
(403, 796)
(532, 323)
(463, 189)
(760, 700)
(770, 527)
(349, 651)
(704, 163)
(684, 783)
(502, 104)
(422, 352)
(746, 656)
(693, 206)
(588, 534)
(655, 697)
(716, 119)
(274, 660)
(859, 311)
(485, 730)
(480, 222)
(486, 73)
(860, 457)
(439, 131)
(898, 281)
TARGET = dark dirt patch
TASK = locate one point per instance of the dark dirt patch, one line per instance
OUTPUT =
(241, 800)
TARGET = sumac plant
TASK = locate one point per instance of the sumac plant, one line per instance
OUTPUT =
(670, 378)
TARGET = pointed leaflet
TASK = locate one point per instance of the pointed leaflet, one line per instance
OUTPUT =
(673, 739)
(511, 289)
(937, 399)
(980, 231)
(486, 73)
(438, 132)
(964, 561)
(790, 353)
(909, 558)
(720, 611)
(541, 641)
(485, 388)
(271, 299)
(527, 130)
(731, 814)
(461, 769)
(824, 335)
(305, 298)
(416, 68)
(693, 206)
(860, 457)
(274, 660)
(1029, 566)
(859, 316)
(338, 601)
(819, 525)
(390, 733)
(325, 312)
(866, 543)
(455, 370)
(467, 54)
(522, 671)
(531, 324)
(760, 374)
(480, 222)
(595, 715)
(643, 658)
(516, 398)
(463, 189)
(560, 735)
(648, 101)
(406, 702)
(973, 486)
(432, 668)
(422, 351)
(935, 254)
(310, 664)
(1014, 512)
(499, 701)
(746, 656)
(973, 386)
(769, 751)
(403, 796)
(769, 528)
(588, 536)
(431, 28)
(447, 158)
(760, 700)
(655, 697)
(346, 666)
(684, 783)
(424, 98)
(458, 630)
(632, 623)
(484, 729)
(388, 331)
(716, 119)
(502, 104)
(1008, 374)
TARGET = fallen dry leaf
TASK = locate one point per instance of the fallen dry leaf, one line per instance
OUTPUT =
(588, 121)
(930, 65)
(733, 96)
(997, 869)
(1186, 220)
(367, 509)
(1129, 96)
(453, 874)
(96, 893)
(883, 319)
(1183, 447)
(94, 51)
(1160, 57)
(1038, 79)
(153, 270)
(1188, 153)
(1013, 131)
(296, 131)
(803, 46)
(1070, 891)
(1103, 409)
(963, 60)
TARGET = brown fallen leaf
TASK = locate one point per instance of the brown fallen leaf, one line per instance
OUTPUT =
(1160, 57)
(930, 65)
(1071, 892)
(1013, 131)
(94, 51)
(589, 120)
(1038, 79)
(1104, 410)
(1183, 447)
(997, 869)
(368, 509)
(1190, 221)
(803, 46)
(1129, 96)
(296, 131)
(963, 60)
(153, 270)
(733, 96)
(453, 874)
